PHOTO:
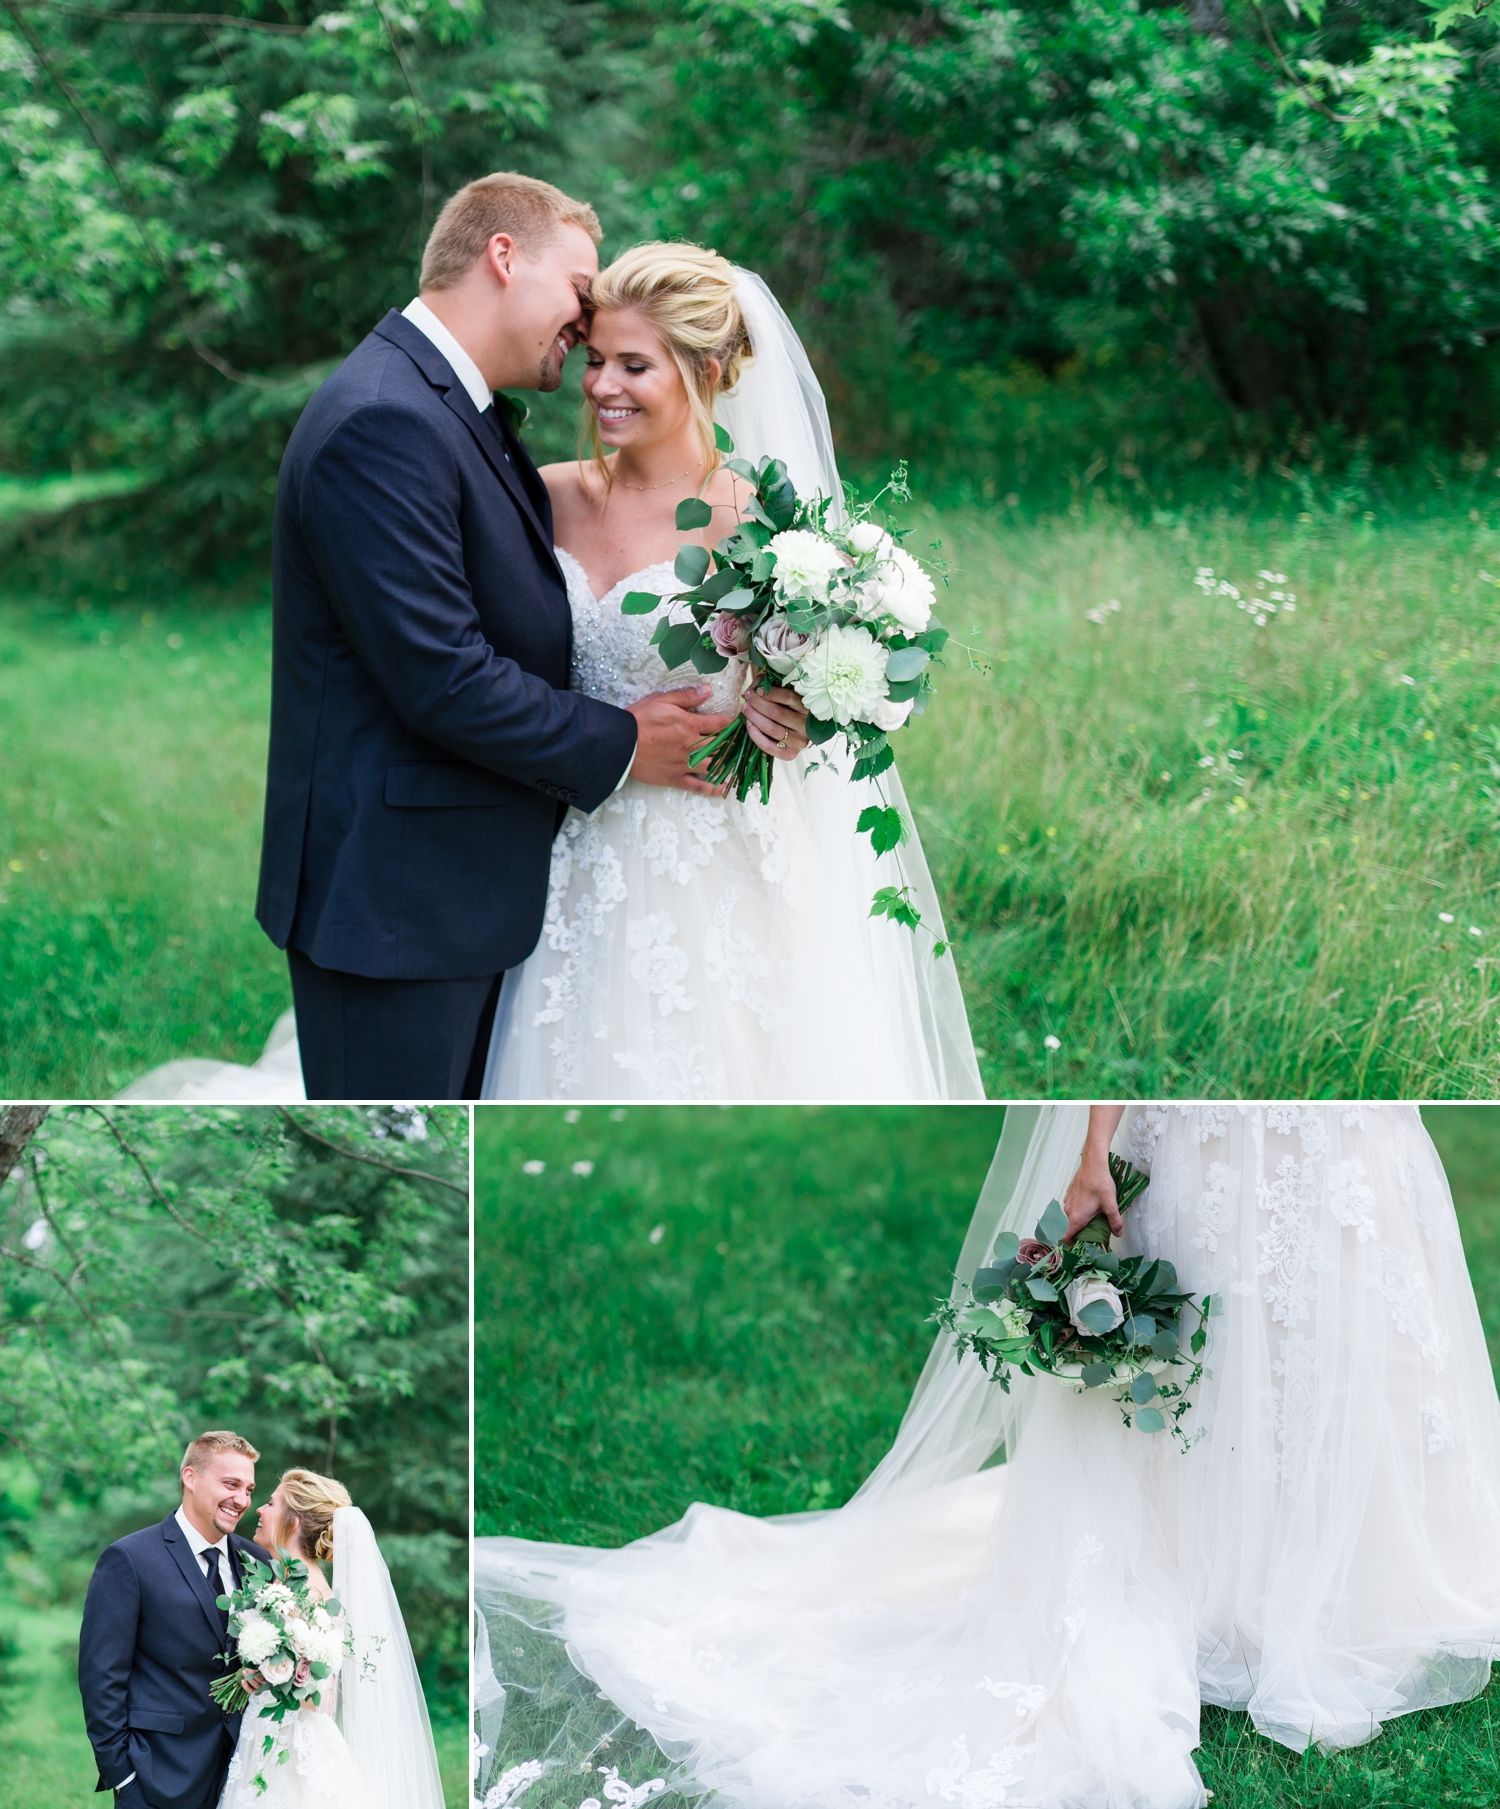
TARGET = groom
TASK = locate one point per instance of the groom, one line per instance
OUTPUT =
(424, 742)
(152, 1637)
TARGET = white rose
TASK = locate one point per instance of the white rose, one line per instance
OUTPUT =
(865, 537)
(1084, 1291)
(906, 592)
(781, 645)
(890, 716)
(257, 1639)
(842, 676)
(805, 563)
(278, 1670)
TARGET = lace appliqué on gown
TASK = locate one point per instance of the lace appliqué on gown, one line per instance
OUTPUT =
(306, 1765)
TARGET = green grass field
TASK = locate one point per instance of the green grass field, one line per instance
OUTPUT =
(45, 1759)
(1203, 856)
(759, 1353)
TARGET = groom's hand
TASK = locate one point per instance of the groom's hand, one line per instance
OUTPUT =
(667, 731)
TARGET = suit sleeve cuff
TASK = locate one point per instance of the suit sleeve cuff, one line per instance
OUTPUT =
(629, 764)
(123, 1782)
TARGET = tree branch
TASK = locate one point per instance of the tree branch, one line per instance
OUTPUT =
(104, 17)
(414, 1174)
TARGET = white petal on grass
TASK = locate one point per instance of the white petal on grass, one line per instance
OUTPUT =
(657, 1233)
(1474, 930)
(1445, 917)
(533, 1167)
(583, 1168)
(1051, 1042)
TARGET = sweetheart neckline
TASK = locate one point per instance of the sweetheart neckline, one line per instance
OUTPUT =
(596, 597)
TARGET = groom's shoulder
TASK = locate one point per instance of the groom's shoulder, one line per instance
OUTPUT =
(377, 390)
(136, 1545)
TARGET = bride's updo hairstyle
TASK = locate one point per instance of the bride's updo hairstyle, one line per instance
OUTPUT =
(688, 295)
(312, 1499)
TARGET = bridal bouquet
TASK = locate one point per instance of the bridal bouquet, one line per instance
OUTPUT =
(842, 616)
(285, 1634)
(1085, 1316)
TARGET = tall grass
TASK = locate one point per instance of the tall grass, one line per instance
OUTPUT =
(730, 1307)
(132, 750)
(1207, 856)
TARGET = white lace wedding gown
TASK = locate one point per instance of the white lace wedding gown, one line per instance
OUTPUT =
(1027, 1601)
(699, 948)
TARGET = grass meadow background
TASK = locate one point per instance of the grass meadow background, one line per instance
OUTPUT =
(1203, 856)
(730, 1307)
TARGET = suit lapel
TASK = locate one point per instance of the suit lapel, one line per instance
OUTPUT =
(488, 435)
(192, 1571)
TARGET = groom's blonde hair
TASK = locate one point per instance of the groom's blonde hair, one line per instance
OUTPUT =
(208, 1445)
(528, 210)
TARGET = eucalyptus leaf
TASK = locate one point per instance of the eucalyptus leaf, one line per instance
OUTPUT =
(1149, 1419)
(1140, 1329)
(722, 439)
(641, 602)
(707, 659)
(1095, 1375)
(691, 564)
(906, 662)
(1097, 1317)
(1164, 1344)
(693, 512)
(1052, 1226)
(1040, 1289)
(995, 1279)
(1006, 1246)
(1143, 1388)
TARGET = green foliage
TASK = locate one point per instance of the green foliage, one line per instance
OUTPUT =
(198, 221)
(760, 1353)
(1048, 183)
(302, 1277)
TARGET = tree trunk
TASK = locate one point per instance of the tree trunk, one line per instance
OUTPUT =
(18, 1125)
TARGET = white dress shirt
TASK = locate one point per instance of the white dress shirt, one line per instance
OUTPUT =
(220, 1574)
(480, 393)
(464, 367)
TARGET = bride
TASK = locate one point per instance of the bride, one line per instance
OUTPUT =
(1027, 1601)
(697, 947)
(370, 1745)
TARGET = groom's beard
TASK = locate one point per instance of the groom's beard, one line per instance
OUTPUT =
(550, 372)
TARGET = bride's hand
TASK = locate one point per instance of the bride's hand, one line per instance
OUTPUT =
(669, 727)
(776, 720)
(1092, 1189)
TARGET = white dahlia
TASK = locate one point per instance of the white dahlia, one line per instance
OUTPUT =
(842, 677)
(805, 564)
(906, 592)
(258, 1639)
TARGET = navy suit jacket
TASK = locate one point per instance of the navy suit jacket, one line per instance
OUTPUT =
(424, 743)
(148, 1650)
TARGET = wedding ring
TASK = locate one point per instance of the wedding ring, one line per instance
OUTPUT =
(784, 734)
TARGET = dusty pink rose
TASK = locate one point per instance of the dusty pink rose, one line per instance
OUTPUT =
(1037, 1255)
(304, 1673)
(782, 646)
(729, 634)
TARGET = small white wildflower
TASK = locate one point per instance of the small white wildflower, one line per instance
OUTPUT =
(1474, 930)
(572, 1115)
(656, 1234)
(1051, 1042)
(1445, 917)
(533, 1167)
(583, 1168)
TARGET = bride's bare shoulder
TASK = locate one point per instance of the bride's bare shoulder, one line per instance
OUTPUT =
(572, 481)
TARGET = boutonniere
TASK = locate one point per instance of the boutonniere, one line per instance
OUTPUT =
(519, 413)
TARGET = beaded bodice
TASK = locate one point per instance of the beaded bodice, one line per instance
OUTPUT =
(613, 658)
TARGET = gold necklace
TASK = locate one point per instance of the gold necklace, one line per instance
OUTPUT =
(663, 484)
